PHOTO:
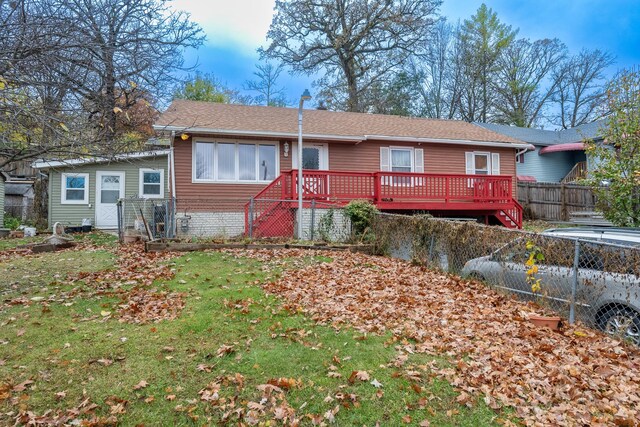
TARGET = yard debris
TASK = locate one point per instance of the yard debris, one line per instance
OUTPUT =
(140, 305)
(549, 378)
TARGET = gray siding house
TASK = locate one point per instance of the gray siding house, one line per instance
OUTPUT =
(559, 156)
(89, 188)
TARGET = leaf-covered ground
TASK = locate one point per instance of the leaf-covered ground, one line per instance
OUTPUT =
(288, 337)
(147, 339)
(576, 377)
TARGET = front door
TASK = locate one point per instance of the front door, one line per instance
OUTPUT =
(315, 157)
(109, 188)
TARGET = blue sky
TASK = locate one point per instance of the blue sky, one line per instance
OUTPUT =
(235, 29)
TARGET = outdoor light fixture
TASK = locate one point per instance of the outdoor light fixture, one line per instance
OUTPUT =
(304, 97)
(184, 136)
(286, 149)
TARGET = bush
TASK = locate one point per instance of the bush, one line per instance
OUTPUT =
(361, 213)
(11, 222)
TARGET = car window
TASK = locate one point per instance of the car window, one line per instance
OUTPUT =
(591, 256)
(514, 252)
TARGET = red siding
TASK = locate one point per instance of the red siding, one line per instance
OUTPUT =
(364, 157)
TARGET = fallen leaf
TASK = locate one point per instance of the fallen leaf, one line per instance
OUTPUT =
(376, 383)
(142, 384)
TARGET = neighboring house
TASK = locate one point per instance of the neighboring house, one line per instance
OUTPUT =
(559, 156)
(224, 152)
(18, 198)
(89, 188)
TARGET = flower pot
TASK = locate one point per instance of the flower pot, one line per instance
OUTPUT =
(17, 234)
(551, 322)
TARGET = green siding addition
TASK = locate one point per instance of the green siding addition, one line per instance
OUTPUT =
(72, 214)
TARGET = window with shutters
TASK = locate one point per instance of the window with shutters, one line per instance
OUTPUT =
(482, 163)
(400, 160)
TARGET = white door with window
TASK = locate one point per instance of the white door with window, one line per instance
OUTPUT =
(109, 188)
(314, 157)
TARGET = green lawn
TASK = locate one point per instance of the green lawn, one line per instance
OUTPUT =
(229, 333)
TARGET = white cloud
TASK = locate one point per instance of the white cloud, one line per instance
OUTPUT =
(241, 23)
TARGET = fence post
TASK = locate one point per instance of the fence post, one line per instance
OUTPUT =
(251, 201)
(313, 217)
(431, 244)
(120, 225)
(574, 284)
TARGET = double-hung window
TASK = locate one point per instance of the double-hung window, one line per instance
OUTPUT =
(482, 163)
(401, 160)
(75, 189)
(151, 183)
(222, 161)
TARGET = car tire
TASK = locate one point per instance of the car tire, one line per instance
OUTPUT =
(621, 322)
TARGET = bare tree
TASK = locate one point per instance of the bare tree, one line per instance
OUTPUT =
(581, 87)
(266, 84)
(355, 43)
(523, 68)
(440, 72)
(130, 47)
(70, 70)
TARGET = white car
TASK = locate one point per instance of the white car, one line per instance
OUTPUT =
(608, 286)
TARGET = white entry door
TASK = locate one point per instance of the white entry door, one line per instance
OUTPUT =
(314, 156)
(109, 188)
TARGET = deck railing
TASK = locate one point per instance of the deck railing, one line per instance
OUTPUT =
(389, 187)
(389, 190)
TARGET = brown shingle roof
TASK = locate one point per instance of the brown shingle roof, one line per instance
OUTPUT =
(210, 116)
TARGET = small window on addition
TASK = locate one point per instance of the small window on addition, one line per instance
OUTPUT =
(75, 189)
(152, 183)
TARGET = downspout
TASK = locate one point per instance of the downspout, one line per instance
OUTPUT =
(172, 166)
(172, 174)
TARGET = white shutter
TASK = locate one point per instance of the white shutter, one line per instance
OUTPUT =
(384, 159)
(495, 164)
(419, 160)
(469, 163)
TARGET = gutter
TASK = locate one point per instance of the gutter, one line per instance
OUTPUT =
(350, 138)
(45, 164)
(451, 141)
(346, 138)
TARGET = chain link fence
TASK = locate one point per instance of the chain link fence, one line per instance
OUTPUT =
(188, 219)
(595, 282)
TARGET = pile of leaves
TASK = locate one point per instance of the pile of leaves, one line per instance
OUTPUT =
(578, 376)
(135, 270)
(141, 305)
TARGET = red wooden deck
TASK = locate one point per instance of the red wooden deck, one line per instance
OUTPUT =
(462, 195)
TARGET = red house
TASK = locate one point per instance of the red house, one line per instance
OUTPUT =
(223, 152)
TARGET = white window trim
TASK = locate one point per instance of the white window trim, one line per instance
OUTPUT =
(324, 154)
(482, 153)
(63, 189)
(216, 141)
(411, 156)
(141, 184)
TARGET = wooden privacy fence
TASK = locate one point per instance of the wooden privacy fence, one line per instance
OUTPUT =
(554, 201)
